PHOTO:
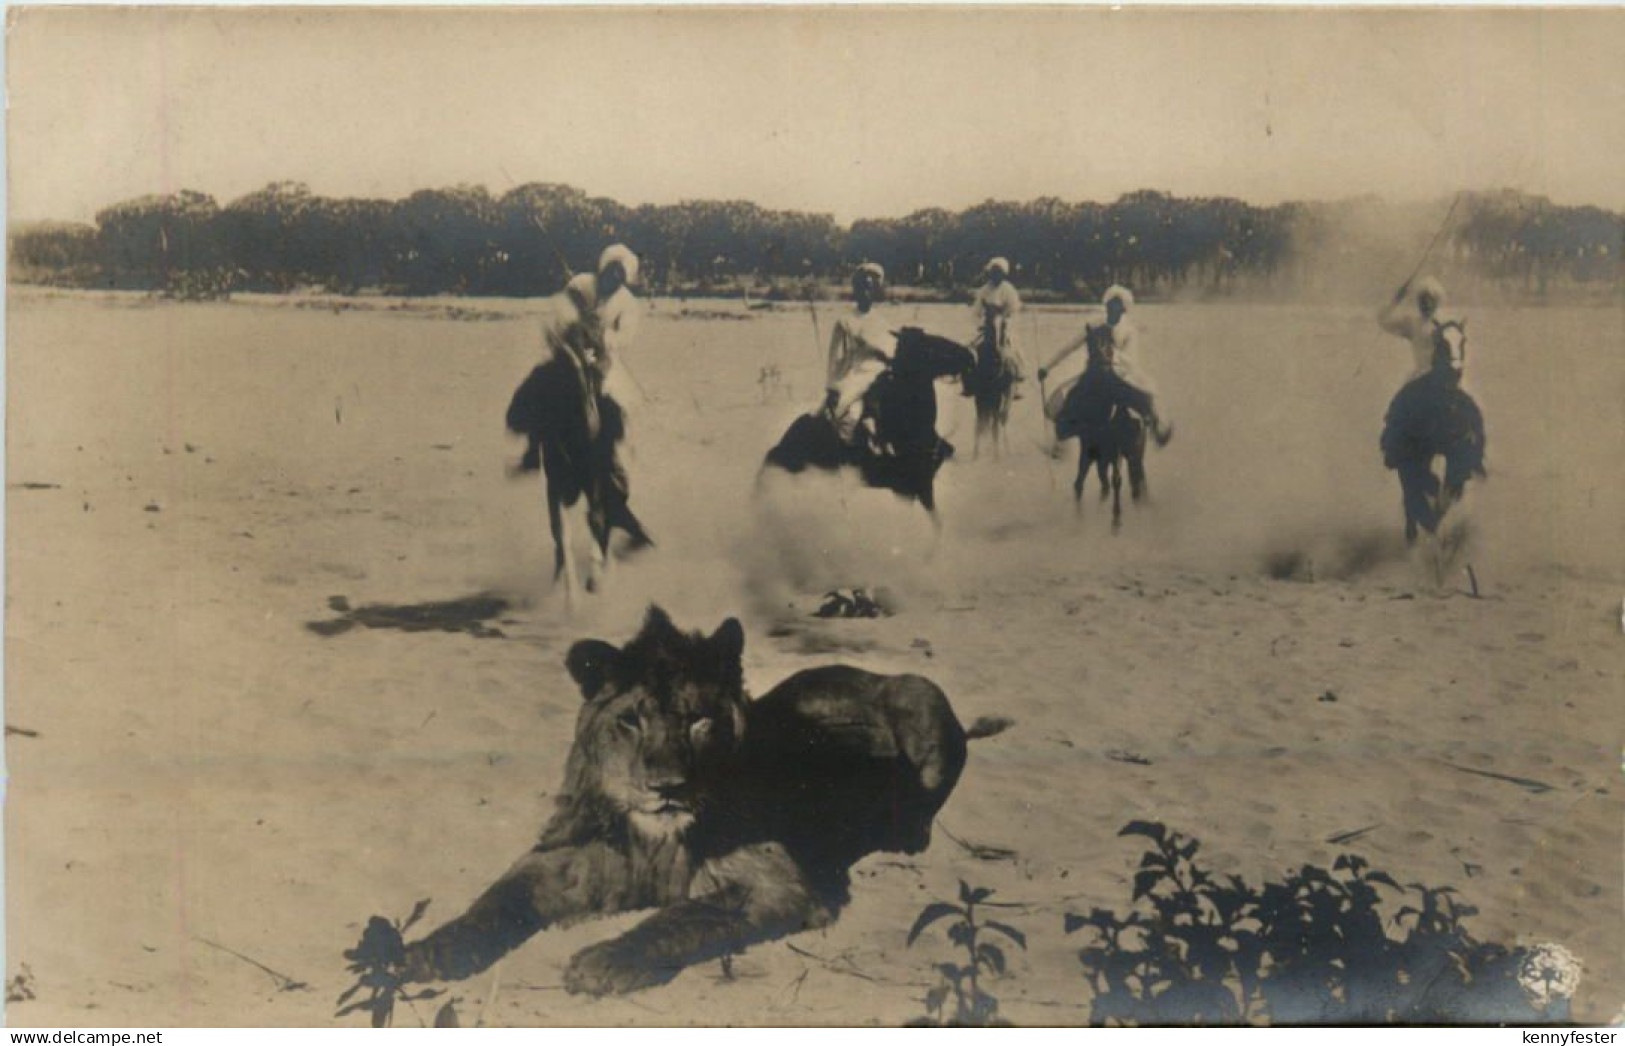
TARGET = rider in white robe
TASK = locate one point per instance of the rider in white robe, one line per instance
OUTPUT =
(861, 347)
(594, 319)
(1414, 319)
(999, 297)
(1134, 386)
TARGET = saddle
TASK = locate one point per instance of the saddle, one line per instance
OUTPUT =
(1090, 403)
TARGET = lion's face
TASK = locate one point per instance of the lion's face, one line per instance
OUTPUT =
(663, 719)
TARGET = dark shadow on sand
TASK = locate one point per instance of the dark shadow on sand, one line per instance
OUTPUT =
(467, 614)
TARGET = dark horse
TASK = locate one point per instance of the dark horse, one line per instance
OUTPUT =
(991, 385)
(573, 430)
(906, 451)
(1109, 433)
(1432, 417)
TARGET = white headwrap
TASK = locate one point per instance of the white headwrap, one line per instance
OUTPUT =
(1118, 292)
(874, 269)
(1430, 285)
(1000, 264)
(619, 252)
(583, 288)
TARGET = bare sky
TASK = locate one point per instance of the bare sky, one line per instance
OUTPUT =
(857, 112)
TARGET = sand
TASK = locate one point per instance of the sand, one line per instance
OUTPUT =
(205, 768)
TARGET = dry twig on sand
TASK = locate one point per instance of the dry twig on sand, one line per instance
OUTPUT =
(1538, 787)
(1348, 837)
(284, 983)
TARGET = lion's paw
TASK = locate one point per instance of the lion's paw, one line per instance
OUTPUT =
(613, 968)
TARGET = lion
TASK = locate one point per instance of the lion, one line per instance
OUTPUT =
(737, 820)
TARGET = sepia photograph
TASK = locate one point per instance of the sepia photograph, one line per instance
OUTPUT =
(859, 516)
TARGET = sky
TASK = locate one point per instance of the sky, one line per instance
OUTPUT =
(854, 112)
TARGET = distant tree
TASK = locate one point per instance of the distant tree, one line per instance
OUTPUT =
(267, 234)
(444, 241)
(546, 232)
(461, 240)
(55, 252)
(160, 242)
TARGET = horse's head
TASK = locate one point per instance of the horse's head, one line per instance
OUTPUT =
(1450, 348)
(928, 355)
(990, 323)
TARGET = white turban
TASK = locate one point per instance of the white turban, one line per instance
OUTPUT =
(1000, 265)
(582, 288)
(1429, 285)
(1118, 292)
(873, 269)
(619, 252)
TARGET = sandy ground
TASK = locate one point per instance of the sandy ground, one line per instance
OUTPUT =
(207, 769)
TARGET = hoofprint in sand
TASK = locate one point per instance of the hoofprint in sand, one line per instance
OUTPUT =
(1253, 660)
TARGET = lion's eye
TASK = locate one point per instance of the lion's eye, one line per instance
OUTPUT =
(628, 720)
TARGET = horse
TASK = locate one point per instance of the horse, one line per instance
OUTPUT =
(992, 385)
(1109, 433)
(573, 430)
(1431, 417)
(906, 451)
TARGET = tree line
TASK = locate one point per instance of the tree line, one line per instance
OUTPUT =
(525, 242)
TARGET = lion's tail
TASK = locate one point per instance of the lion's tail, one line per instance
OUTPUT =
(988, 726)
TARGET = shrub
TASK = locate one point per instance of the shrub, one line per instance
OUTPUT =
(1312, 948)
(973, 1005)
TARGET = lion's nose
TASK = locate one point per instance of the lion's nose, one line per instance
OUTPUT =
(669, 785)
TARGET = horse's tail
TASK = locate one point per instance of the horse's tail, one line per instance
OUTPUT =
(810, 442)
(527, 411)
(988, 726)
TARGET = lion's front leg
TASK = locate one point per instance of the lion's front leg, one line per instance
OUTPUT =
(754, 894)
(542, 888)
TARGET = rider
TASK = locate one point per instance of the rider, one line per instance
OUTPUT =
(593, 320)
(1416, 325)
(1131, 386)
(860, 349)
(997, 301)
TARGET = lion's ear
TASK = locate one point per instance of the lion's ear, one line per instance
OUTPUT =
(729, 641)
(590, 663)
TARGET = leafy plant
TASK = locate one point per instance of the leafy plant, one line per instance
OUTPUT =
(1311, 948)
(378, 960)
(973, 1006)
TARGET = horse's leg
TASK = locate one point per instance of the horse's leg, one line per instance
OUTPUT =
(1447, 497)
(563, 563)
(1138, 488)
(1413, 498)
(1078, 483)
(928, 501)
(1117, 495)
(598, 527)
